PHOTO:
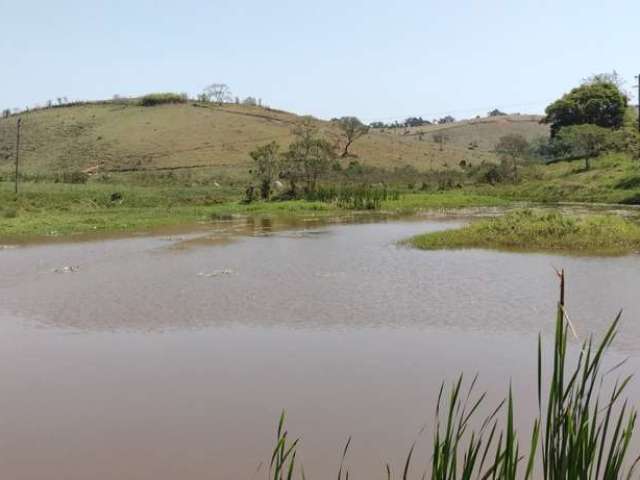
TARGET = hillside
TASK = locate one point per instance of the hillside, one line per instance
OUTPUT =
(216, 140)
(485, 133)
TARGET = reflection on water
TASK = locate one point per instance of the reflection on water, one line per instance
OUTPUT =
(171, 356)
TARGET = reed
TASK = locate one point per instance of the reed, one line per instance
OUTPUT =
(363, 197)
(582, 437)
(283, 458)
(582, 431)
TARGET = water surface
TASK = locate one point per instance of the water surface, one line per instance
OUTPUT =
(171, 356)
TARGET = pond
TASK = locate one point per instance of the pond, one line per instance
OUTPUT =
(171, 356)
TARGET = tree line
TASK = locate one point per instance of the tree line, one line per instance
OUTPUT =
(413, 122)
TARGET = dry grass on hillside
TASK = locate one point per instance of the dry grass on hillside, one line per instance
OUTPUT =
(113, 136)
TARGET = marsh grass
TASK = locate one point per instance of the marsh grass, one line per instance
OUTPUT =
(363, 197)
(46, 209)
(540, 231)
(582, 431)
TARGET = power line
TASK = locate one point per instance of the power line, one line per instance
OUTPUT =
(18, 125)
(638, 77)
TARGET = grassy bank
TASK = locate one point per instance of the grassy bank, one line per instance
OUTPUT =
(613, 178)
(540, 231)
(57, 210)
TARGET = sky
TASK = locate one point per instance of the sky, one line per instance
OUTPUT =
(378, 60)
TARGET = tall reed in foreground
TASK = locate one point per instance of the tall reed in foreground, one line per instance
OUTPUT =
(583, 438)
(579, 434)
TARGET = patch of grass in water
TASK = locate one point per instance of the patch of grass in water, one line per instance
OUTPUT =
(532, 230)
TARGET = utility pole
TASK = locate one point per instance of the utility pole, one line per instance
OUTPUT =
(638, 77)
(19, 124)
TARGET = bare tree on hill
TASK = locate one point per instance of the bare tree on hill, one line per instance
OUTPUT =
(352, 129)
(219, 92)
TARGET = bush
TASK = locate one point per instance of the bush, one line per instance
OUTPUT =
(491, 173)
(9, 212)
(75, 177)
(154, 99)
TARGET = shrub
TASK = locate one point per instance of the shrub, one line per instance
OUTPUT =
(154, 99)
(75, 177)
(9, 212)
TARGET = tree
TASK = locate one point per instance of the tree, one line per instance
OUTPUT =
(308, 158)
(440, 138)
(599, 103)
(6, 112)
(219, 92)
(415, 122)
(267, 165)
(608, 77)
(250, 101)
(496, 113)
(352, 129)
(587, 141)
(514, 147)
(446, 119)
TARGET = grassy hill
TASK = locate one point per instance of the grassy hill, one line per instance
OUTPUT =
(613, 178)
(484, 133)
(213, 142)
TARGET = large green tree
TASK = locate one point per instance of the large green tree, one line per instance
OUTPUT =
(600, 103)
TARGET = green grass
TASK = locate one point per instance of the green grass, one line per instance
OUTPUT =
(613, 178)
(59, 210)
(45, 210)
(531, 230)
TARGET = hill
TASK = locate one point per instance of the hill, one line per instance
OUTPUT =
(215, 141)
(484, 133)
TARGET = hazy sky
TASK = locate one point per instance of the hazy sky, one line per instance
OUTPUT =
(374, 59)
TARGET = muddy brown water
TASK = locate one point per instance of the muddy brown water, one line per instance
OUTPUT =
(171, 357)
